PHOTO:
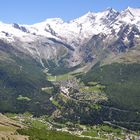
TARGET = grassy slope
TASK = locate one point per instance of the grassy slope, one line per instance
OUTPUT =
(122, 83)
(122, 88)
(8, 129)
(23, 77)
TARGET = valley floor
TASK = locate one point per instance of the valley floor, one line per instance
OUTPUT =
(25, 127)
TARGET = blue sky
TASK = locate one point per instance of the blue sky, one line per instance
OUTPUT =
(33, 11)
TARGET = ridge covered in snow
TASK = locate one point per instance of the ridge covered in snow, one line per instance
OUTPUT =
(75, 30)
(55, 37)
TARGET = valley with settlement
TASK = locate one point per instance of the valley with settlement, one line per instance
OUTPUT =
(76, 80)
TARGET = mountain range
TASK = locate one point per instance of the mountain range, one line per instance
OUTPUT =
(109, 30)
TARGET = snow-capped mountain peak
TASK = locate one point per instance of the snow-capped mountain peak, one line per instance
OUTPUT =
(54, 20)
(133, 11)
(88, 17)
(111, 9)
(89, 14)
(129, 16)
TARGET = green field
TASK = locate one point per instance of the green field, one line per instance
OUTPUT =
(42, 134)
